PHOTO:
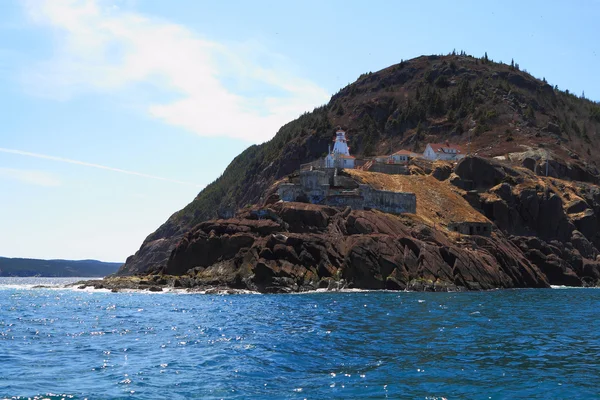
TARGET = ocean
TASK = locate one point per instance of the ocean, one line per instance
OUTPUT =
(60, 343)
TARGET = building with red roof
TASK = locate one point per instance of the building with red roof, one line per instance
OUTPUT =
(443, 151)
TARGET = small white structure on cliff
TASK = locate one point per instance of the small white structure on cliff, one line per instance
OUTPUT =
(443, 151)
(402, 157)
(340, 156)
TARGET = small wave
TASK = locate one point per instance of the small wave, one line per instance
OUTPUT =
(165, 290)
(571, 287)
(48, 396)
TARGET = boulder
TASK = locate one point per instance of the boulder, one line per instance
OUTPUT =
(548, 259)
(484, 173)
(461, 183)
(577, 206)
(441, 172)
(585, 248)
(552, 128)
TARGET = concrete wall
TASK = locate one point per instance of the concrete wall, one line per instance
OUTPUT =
(344, 182)
(289, 191)
(471, 228)
(356, 202)
(392, 202)
(318, 196)
(390, 169)
(311, 180)
(313, 190)
(293, 192)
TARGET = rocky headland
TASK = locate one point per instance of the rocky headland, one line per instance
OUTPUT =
(545, 233)
(532, 178)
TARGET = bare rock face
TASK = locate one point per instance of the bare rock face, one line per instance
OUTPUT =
(482, 172)
(304, 246)
(442, 172)
(373, 108)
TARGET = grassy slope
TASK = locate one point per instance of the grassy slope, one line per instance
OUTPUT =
(437, 202)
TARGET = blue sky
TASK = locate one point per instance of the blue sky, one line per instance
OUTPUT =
(115, 113)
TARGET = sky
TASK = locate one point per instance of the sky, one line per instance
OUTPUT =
(116, 113)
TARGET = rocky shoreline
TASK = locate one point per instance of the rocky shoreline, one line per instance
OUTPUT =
(161, 283)
(543, 233)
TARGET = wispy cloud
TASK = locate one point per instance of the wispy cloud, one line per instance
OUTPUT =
(31, 176)
(91, 165)
(102, 48)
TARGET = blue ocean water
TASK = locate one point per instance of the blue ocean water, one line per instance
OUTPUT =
(64, 343)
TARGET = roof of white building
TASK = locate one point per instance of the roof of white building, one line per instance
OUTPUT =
(446, 147)
(403, 153)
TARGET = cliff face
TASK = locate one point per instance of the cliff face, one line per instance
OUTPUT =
(427, 99)
(306, 246)
(545, 233)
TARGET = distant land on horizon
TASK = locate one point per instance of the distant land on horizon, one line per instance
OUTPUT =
(20, 267)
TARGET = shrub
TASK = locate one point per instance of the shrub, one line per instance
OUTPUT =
(442, 81)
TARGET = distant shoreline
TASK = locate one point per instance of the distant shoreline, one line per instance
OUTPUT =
(26, 267)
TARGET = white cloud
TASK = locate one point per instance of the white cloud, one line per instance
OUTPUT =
(31, 176)
(102, 48)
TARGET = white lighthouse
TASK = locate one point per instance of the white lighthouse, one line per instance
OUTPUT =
(340, 156)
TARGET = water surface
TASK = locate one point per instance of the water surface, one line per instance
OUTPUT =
(498, 345)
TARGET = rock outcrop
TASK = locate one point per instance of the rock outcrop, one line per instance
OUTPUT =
(304, 247)
(427, 99)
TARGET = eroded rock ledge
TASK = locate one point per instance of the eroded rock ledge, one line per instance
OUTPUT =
(293, 247)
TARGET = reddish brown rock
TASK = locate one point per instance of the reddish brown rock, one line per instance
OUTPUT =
(319, 246)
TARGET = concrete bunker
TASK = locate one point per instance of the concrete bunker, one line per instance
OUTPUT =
(471, 228)
(331, 187)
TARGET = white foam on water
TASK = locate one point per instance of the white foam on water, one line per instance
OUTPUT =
(571, 287)
(37, 283)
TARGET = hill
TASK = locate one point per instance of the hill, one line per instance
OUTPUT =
(56, 268)
(506, 112)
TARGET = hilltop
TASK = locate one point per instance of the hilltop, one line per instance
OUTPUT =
(506, 112)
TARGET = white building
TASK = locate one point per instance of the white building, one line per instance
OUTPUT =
(402, 157)
(443, 151)
(340, 156)
(382, 159)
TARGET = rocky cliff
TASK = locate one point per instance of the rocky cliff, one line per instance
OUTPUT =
(305, 246)
(538, 239)
(506, 112)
